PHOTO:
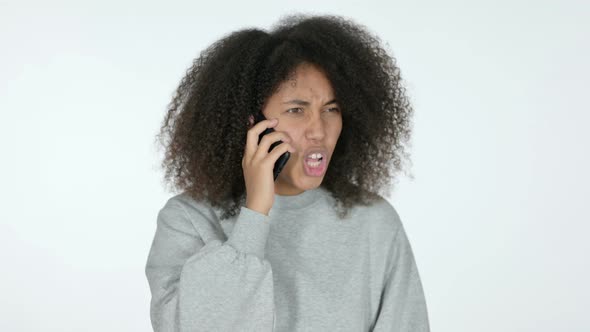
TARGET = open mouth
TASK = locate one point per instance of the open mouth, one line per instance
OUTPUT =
(314, 167)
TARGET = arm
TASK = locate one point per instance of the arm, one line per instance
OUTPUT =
(214, 286)
(402, 306)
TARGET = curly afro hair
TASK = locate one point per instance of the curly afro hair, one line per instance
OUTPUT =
(205, 128)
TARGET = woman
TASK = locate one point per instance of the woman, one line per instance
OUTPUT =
(317, 249)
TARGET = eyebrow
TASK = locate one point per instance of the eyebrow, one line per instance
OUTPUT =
(306, 103)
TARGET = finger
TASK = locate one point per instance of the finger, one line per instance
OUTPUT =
(267, 141)
(276, 153)
(254, 133)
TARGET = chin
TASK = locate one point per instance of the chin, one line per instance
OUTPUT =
(300, 181)
(307, 182)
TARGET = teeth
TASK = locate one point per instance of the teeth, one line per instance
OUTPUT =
(315, 156)
(314, 163)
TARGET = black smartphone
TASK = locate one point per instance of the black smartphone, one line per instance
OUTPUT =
(282, 161)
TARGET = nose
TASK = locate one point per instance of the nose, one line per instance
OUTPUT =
(315, 130)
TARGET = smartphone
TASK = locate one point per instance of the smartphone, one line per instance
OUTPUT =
(282, 161)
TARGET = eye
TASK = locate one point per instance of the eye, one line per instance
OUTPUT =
(336, 109)
(297, 108)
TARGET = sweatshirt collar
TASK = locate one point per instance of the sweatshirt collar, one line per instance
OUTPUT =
(299, 201)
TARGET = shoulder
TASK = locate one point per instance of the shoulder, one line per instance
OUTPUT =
(383, 217)
(190, 205)
(183, 212)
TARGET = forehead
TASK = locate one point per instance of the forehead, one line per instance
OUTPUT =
(308, 80)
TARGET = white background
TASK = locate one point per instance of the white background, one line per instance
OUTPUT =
(497, 211)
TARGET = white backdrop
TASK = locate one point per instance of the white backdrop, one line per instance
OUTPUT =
(495, 212)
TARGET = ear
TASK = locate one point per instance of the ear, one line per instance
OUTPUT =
(251, 120)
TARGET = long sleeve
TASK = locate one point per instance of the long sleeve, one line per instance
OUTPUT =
(214, 286)
(403, 306)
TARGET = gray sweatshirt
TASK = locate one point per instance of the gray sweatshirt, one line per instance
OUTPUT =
(298, 269)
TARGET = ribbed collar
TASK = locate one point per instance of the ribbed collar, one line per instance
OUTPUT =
(302, 200)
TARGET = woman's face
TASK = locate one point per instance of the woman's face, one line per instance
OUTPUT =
(309, 115)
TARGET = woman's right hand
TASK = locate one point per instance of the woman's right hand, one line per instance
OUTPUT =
(258, 164)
